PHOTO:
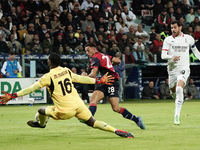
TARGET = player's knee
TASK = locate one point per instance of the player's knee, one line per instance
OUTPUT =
(179, 90)
(116, 109)
(90, 122)
(41, 110)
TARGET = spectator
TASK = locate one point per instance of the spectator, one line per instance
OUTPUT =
(15, 33)
(129, 17)
(64, 5)
(119, 35)
(101, 42)
(101, 22)
(4, 32)
(88, 22)
(58, 42)
(190, 16)
(54, 5)
(197, 13)
(3, 46)
(42, 32)
(117, 5)
(47, 22)
(149, 91)
(37, 23)
(31, 6)
(9, 23)
(197, 32)
(129, 59)
(106, 14)
(6, 5)
(44, 5)
(192, 90)
(96, 14)
(152, 34)
(112, 41)
(113, 50)
(164, 34)
(83, 16)
(87, 5)
(142, 34)
(195, 22)
(111, 24)
(157, 8)
(163, 21)
(101, 32)
(148, 55)
(71, 21)
(74, 4)
(108, 5)
(185, 7)
(24, 21)
(72, 41)
(190, 32)
(119, 69)
(178, 14)
(82, 88)
(176, 4)
(156, 44)
(35, 42)
(158, 56)
(118, 24)
(56, 23)
(14, 45)
(117, 16)
(112, 33)
(124, 42)
(1, 11)
(147, 4)
(22, 33)
(82, 39)
(63, 16)
(47, 42)
(184, 25)
(164, 90)
(89, 33)
(11, 67)
(138, 53)
(21, 12)
(131, 36)
(171, 13)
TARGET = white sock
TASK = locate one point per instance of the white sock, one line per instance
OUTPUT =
(178, 100)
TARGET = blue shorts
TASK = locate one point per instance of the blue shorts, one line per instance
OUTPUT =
(109, 90)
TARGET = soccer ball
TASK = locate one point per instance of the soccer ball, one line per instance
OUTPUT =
(37, 119)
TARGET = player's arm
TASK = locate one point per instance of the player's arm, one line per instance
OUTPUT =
(165, 51)
(93, 73)
(115, 61)
(87, 80)
(195, 51)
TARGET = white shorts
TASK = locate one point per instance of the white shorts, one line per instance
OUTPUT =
(178, 74)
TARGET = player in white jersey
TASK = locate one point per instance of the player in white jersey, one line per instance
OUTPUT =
(176, 50)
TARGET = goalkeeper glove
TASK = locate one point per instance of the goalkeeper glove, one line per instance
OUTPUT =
(7, 97)
(105, 79)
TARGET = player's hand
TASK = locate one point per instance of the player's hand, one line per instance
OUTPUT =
(176, 58)
(105, 79)
(7, 97)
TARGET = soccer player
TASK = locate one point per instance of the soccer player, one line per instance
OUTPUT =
(67, 102)
(103, 63)
(176, 50)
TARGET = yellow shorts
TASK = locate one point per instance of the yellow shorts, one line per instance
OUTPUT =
(80, 111)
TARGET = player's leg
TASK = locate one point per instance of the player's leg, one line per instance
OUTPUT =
(96, 97)
(84, 114)
(40, 118)
(106, 127)
(114, 101)
(178, 101)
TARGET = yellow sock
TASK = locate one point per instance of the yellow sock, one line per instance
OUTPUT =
(103, 126)
(42, 119)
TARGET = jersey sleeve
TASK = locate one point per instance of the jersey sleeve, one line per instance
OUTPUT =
(44, 81)
(165, 50)
(95, 63)
(192, 42)
(111, 57)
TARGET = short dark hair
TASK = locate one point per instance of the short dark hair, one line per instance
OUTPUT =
(90, 45)
(11, 53)
(176, 22)
(55, 59)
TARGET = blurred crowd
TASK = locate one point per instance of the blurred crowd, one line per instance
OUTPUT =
(65, 27)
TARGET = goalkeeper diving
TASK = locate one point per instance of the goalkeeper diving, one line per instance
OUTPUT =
(67, 102)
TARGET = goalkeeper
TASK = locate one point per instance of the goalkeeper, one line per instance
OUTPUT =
(67, 102)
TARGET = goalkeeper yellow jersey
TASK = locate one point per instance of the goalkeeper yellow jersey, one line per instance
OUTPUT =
(59, 84)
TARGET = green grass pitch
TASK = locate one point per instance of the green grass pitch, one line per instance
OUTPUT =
(160, 133)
